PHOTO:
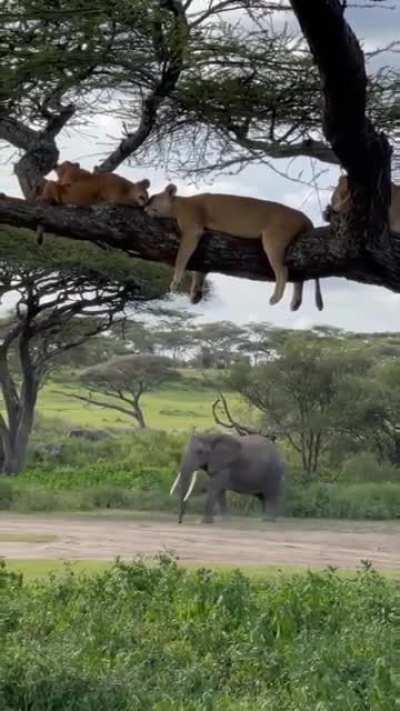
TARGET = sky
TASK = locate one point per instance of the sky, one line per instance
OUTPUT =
(348, 305)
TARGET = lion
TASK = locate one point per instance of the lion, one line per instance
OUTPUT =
(248, 218)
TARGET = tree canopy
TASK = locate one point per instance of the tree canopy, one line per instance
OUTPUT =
(56, 304)
(123, 381)
(207, 87)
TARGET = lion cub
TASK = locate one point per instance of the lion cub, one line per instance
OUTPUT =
(341, 202)
(245, 217)
(76, 186)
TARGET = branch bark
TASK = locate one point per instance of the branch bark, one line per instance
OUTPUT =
(357, 246)
(40, 149)
(308, 148)
(229, 423)
(320, 253)
(362, 151)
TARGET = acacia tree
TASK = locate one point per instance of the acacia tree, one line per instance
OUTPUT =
(303, 393)
(59, 303)
(124, 380)
(154, 55)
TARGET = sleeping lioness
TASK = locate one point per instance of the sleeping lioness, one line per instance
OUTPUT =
(76, 186)
(275, 224)
(341, 202)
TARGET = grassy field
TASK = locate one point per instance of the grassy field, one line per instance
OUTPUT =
(162, 638)
(43, 568)
(170, 408)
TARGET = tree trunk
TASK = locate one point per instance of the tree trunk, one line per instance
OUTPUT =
(364, 152)
(15, 450)
(139, 417)
(15, 438)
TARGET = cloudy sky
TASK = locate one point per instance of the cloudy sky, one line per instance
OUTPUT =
(347, 305)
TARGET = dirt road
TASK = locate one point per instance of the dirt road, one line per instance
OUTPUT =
(238, 542)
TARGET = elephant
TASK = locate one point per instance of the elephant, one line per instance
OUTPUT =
(248, 465)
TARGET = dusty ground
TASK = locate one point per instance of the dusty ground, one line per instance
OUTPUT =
(238, 542)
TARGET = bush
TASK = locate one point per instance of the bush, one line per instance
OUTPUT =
(352, 501)
(35, 499)
(365, 468)
(6, 495)
(108, 497)
(128, 452)
(159, 637)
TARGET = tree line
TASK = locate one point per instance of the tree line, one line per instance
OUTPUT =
(325, 393)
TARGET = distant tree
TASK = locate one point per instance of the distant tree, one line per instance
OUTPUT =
(172, 332)
(218, 342)
(133, 336)
(305, 393)
(124, 380)
(385, 390)
(58, 304)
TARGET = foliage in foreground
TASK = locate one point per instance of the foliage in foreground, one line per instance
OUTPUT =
(159, 637)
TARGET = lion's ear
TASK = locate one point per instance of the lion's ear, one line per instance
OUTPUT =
(171, 190)
(144, 183)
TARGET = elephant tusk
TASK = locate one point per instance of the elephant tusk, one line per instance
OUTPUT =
(192, 483)
(175, 484)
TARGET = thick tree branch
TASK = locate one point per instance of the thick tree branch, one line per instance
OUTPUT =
(14, 132)
(57, 121)
(221, 405)
(308, 148)
(40, 150)
(362, 151)
(320, 253)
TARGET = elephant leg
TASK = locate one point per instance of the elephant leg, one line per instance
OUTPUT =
(222, 504)
(269, 507)
(214, 491)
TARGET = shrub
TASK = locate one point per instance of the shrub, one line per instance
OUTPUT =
(108, 497)
(39, 500)
(365, 468)
(6, 495)
(151, 448)
(158, 637)
(351, 501)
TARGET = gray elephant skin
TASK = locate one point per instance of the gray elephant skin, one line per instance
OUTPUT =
(247, 465)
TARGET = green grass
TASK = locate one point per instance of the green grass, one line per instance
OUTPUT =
(42, 568)
(162, 638)
(170, 408)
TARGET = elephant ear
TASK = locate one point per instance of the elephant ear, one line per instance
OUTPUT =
(224, 451)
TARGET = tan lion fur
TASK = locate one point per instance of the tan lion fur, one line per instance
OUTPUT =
(79, 187)
(277, 225)
(341, 202)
